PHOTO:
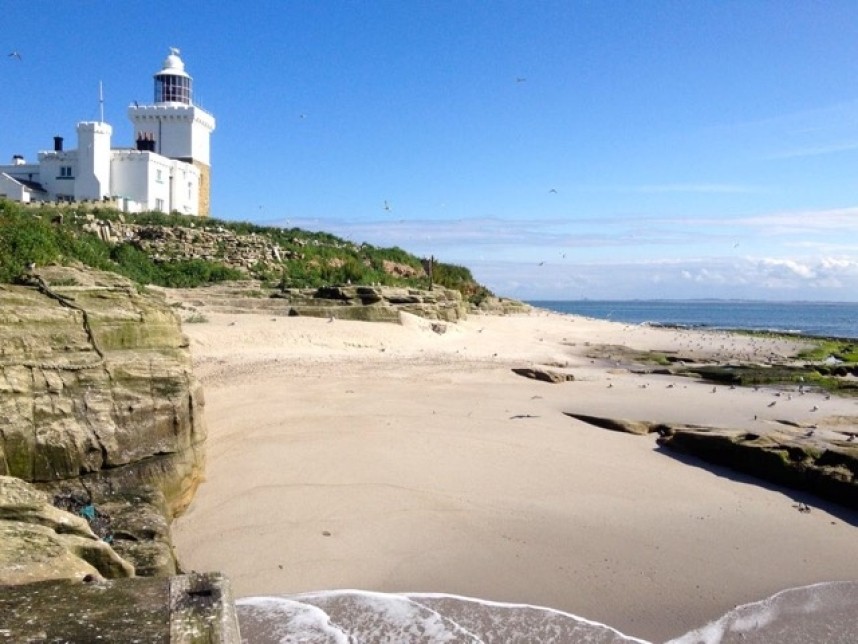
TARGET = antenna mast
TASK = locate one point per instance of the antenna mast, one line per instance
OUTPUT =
(100, 102)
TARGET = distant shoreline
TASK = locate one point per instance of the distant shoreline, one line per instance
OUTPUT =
(834, 320)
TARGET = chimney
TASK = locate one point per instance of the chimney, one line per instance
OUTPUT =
(17, 159)
(58, 144)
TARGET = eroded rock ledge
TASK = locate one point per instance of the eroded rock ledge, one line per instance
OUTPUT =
(366, 303)
(789, 456)
(98, 403)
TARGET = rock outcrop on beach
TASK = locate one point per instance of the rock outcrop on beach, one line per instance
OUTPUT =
(545, 375)
(100, 407)
(821, 461)
(350, 302)
(101, 446)
(39, 541)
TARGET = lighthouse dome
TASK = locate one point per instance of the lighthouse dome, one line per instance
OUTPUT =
(172, 83)
(173, 65)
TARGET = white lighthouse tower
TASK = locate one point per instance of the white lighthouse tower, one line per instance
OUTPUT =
(177, 128)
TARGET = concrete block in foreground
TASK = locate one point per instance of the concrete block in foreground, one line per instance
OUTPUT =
(185, 609)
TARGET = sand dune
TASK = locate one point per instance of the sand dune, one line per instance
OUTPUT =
(394, 458)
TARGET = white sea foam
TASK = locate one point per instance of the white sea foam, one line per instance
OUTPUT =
(826, 612)
(360, 616)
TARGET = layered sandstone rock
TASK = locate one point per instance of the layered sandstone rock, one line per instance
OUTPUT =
(98, 401)
(349, 302)
(825, 464)
(38, 541)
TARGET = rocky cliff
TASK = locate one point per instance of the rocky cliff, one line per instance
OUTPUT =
(99, 407)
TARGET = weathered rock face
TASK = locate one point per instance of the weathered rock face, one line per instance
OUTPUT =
(97, 398)
(827, 467)
(366, 303)
(38, 541)
(500, 306)
(545, 375)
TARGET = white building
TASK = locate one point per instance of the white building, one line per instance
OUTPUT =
(169, 169)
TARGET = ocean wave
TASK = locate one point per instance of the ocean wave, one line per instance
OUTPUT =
(353, 617)
(825, 612)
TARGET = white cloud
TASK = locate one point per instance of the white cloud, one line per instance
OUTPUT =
(806, 254)
(812, 151)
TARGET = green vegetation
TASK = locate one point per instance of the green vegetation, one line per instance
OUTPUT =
(48, 234)
(843, 350)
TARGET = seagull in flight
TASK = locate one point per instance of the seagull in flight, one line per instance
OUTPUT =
(15, 54)
(553, 190)
(519, 79)
(386, 205)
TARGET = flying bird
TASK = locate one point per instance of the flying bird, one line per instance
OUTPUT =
(386, 205)
(553, 190)
(15, 54)
(519, 79)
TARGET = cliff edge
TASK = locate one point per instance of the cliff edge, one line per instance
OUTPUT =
(99, 407)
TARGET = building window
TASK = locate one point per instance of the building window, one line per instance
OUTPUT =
(190, 190)
(159, 176)
(159, 205)
(65, 172)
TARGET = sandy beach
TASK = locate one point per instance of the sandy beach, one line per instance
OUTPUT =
(396, 458)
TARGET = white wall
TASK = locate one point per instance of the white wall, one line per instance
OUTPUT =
(50, 174)
(154, 181)
(11, 189)
(186, 188)
(22, 171)
(180, 131)
(93, 161)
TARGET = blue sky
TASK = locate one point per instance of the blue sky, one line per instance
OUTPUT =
(560, 150)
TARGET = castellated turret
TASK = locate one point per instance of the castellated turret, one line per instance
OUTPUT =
(93, 161)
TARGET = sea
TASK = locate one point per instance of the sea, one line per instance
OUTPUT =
(822, 319)
(820, 613)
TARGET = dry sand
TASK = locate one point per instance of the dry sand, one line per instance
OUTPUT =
(393, 458)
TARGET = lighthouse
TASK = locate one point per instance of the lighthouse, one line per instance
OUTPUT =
(174, 127)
